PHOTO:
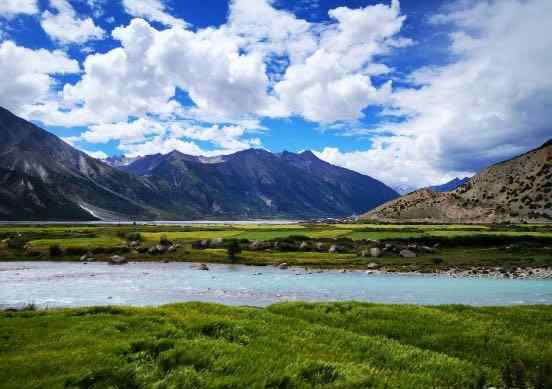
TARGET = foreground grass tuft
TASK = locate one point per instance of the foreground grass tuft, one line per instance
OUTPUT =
(290, 345)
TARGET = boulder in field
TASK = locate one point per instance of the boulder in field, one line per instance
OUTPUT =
(217, 243)
(118, 260)
(407, 253)
(134, 244)
(203, 267)
(332, 249)
(283, 266)
(375, 252)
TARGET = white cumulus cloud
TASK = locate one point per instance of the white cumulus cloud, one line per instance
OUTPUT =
(488, 104)
(65, 26)
(11, 8)
(153, 10)
(26, 76)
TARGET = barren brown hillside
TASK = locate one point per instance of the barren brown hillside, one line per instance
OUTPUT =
(517, 190)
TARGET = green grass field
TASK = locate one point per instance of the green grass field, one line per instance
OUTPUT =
(290, 345)
(461, 245)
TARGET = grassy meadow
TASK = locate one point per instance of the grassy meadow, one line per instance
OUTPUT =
(288, 345)
(460, 245)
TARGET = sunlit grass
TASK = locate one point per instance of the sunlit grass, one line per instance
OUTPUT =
(340, 345)
(87, 243)
(190, 235)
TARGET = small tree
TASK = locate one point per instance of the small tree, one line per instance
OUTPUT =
(233, 249)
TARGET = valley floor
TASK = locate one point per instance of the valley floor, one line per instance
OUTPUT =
(290, 345)
(515, 251)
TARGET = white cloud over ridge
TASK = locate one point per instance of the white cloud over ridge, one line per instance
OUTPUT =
(488, 102)
(27, 75)
(487, 105)
(65, 26)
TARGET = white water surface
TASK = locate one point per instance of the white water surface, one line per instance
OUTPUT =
(72, 284)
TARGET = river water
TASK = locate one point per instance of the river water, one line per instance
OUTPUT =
(70, 284)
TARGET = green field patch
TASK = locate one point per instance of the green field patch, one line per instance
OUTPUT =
(190, 235)
(271, 234)
(327, 233)
(382, 235)
(269, 226)
(86, 243)
(492, 233)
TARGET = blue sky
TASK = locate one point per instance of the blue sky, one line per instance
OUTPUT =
(410, 92)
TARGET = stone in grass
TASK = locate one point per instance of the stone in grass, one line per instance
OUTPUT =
(375, 252)
(118, 260)
(217, 243)
(87, 257)
(407, 254)
(203, 267)
(332, 250)
(283, 266)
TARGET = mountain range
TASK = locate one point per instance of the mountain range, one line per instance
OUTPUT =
(517, 190)
(44, 178)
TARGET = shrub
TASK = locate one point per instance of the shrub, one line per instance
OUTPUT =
(233, 249)
(437, 261)
(16, 243)
(134, 236)
(55, 250)
(75, 250)
(163, 240)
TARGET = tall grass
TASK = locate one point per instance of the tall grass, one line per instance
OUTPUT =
(292, 345)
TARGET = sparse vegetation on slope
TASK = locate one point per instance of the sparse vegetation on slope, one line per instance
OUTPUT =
(518, 190)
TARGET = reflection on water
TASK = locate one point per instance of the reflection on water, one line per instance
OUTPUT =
(56, 284)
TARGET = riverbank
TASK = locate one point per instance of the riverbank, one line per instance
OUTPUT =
(458, 250)
(291, 345)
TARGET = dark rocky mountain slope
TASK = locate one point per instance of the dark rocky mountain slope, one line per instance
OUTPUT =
(258, 184)
(517, 190)
(44, 178)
